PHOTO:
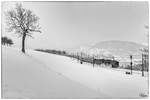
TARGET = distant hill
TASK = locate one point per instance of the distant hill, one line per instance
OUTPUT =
(119, 48)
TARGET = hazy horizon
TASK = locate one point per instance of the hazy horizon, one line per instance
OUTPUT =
(71, 24)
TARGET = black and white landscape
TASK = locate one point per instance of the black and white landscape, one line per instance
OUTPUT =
(75, 50)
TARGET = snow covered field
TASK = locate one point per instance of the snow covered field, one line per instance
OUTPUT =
(43, 75)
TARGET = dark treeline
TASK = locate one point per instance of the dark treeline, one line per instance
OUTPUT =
(6, 41)
(59, 52)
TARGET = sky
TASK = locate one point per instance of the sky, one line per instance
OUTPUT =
(71, 24)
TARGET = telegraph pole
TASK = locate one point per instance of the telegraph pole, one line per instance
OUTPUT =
(145, 61)
(78, 59)
(93, 61)
(131, 63)
(142, 64)
(81, 58)
(147, 64)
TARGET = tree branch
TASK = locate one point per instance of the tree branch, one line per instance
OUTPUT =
(32, 30)
(30, 35)
(21, 20)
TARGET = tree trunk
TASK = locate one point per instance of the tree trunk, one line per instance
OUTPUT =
(23, 43)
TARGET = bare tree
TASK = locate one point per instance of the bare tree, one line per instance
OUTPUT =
(23, 22)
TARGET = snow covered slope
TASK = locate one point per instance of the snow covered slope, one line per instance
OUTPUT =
(24, 76)
(112, 83)
(43, 75)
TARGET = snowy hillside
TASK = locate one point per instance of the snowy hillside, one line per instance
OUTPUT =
(120, 50)
(24, 76)
(115, 47)
(43, 75)
(119, 45)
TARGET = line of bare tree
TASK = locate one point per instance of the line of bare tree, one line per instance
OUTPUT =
(59, 52)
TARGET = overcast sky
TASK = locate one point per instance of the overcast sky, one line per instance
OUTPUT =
(69, 24)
